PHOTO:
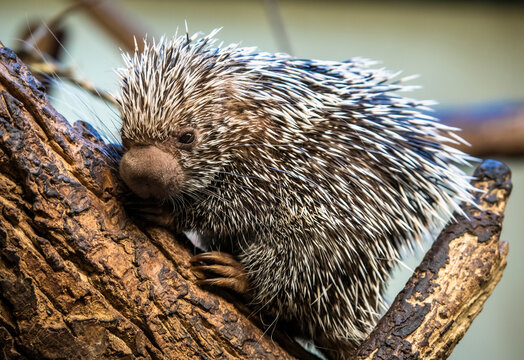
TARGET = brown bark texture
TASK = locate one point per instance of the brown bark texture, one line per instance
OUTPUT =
(80, 280)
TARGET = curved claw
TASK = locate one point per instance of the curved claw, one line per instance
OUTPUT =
(240, 287)
(215, 257)
(225, 271)
(220, 269)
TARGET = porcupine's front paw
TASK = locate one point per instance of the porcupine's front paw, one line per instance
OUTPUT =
(220, 269)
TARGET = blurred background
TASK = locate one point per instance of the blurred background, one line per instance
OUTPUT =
(470, 55)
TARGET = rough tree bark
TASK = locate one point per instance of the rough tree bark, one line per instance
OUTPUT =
(80, 280)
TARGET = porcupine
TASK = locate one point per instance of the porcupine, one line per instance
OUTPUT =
(304, 178)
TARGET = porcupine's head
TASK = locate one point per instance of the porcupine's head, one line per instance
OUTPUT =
(180, 101)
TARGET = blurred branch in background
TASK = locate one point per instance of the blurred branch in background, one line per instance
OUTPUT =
(117, 22)
(280, 34)
(43, 42)
(53, 69)
(42, 47)
(491, 129)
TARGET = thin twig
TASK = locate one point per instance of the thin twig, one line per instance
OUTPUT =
(277, 26)
(52, 69)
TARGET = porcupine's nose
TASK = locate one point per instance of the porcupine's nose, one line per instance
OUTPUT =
(150, 172)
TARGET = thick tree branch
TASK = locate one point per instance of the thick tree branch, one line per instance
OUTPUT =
(449, 288)
(80, 280)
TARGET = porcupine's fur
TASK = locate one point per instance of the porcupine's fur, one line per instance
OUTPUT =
(312, 173)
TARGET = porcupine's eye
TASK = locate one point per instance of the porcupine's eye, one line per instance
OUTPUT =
(187, 138)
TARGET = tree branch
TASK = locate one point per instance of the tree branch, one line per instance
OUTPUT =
(457, 275)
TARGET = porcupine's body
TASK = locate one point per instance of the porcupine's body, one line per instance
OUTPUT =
(311, 173)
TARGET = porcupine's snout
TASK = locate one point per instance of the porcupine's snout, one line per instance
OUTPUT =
(150, 172)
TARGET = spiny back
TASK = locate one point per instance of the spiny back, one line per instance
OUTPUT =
(325, 138)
